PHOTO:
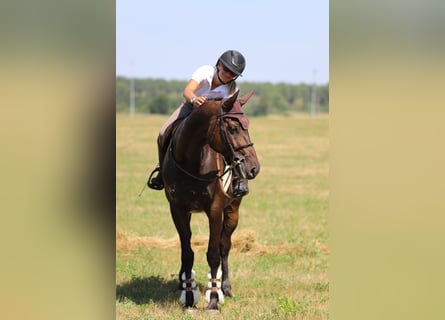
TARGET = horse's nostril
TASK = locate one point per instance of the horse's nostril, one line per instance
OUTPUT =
(253, 172)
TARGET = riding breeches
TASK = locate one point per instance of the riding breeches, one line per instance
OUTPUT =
(181, 112)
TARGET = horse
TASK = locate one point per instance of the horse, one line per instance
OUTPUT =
(210, 143)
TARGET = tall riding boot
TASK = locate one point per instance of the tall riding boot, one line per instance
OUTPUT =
(156, 182)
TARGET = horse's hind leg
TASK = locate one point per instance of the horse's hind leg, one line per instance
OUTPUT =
(181, 219)
(230, 223)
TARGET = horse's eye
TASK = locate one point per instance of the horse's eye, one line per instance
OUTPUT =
(233, 129)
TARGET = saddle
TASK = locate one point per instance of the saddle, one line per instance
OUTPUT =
(163, 143)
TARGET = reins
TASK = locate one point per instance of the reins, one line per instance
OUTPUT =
(191, 175)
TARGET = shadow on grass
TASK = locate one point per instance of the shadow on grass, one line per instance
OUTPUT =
(146, 290)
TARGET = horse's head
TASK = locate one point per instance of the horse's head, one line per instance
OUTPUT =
(233, 140)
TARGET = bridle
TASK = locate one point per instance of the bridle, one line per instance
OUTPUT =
(236, 159)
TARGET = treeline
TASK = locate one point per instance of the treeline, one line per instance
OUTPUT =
(164, 96)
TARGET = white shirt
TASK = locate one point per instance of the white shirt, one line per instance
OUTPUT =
(204, 75)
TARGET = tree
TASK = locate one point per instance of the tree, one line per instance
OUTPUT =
(164, 96)
(160, 104)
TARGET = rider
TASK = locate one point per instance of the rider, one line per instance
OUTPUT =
(207, 82)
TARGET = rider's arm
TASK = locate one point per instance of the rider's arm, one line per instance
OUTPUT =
(189, 93)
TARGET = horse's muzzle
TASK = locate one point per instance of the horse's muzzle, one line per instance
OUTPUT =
(252, 172)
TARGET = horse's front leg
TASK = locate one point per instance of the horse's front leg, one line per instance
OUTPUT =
(189, 295)
(214, 293)
(231, 215)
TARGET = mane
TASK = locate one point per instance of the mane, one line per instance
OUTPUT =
(196, 125)
(207, 109)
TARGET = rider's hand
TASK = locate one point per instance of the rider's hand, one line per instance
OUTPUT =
(199, 101)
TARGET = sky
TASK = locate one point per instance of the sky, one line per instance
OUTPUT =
(282, 40)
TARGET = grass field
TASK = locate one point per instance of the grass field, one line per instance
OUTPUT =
(279, 260)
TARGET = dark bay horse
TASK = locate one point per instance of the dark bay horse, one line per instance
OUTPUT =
(211, 141)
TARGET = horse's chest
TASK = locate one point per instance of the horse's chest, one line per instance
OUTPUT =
(194, 197)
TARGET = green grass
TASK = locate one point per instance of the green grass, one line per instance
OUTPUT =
(278, 266)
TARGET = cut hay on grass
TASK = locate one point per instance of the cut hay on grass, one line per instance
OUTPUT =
(243, 241)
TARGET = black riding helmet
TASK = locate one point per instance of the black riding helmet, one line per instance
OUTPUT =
(234, 61)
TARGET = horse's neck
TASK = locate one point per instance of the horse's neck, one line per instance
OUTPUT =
(191, 139)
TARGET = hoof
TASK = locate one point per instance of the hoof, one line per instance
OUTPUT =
(213, 305)
(227, 292)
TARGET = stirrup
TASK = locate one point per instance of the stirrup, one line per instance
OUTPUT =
(152, 183)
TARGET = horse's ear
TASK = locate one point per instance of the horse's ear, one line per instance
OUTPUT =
(246, 97)
(228, 102)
